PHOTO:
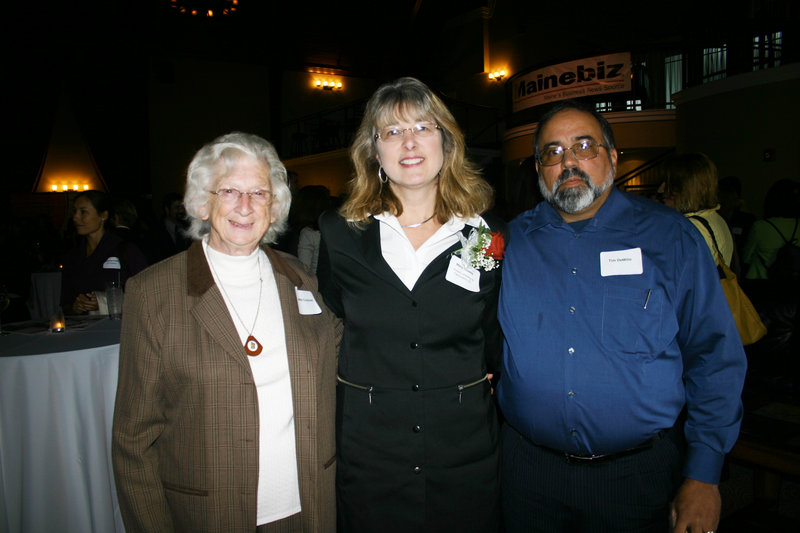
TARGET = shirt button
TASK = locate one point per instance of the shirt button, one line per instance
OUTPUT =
(417, 428)
(414, 345)
(572, 310)
(570, 394)
(413, 304)
(417, 469)
(415, 388)
(574, 270)
(571, 351)
(573, 431)
(576, 235)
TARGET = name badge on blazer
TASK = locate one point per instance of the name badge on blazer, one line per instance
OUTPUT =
(463, 275)
(306, 303)
(621, 262)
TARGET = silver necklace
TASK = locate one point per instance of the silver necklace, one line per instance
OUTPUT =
(418, 224)
(251, 345)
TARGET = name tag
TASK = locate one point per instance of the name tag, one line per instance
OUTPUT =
(463, 275)
(306, 303)
(621, 262)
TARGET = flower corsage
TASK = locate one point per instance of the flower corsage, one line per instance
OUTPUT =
(482, 249)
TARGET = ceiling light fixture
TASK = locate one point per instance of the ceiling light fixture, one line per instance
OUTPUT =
(206, 8)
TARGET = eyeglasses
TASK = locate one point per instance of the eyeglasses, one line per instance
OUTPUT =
(583, 150)
(423, 129)
(229, 195)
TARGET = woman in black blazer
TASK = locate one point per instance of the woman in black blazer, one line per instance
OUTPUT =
(412, 266)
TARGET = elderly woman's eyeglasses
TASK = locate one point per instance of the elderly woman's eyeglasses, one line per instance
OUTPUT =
(423, 129)
(229, 195)
(583, 150)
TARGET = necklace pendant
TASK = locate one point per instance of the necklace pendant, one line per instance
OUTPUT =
(252, 346)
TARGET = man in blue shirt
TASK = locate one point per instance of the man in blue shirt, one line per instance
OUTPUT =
(623, 368)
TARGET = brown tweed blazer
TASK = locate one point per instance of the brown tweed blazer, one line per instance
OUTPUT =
(185, 435)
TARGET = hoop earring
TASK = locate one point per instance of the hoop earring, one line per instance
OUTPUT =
(382, 175)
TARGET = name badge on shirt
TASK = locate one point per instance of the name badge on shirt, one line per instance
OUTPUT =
(621, 262)
(462, 275)
(306, 303)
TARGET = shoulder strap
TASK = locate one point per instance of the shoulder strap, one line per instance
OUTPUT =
(785, 240)
(710, 232)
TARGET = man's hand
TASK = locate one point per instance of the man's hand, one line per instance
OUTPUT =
(696, 507)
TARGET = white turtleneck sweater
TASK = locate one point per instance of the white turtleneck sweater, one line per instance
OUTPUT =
(238, 280)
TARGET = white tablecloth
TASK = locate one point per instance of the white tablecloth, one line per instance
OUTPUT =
(55, 441)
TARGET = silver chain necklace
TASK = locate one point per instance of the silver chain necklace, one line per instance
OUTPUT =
(251, 345)
(418, 224)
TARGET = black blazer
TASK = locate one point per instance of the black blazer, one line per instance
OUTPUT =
(411, 393)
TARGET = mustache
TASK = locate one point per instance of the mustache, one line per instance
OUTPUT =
(571, 173)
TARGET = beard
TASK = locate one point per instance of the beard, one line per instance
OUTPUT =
(574, 199)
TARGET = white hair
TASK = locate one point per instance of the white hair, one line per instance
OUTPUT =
(217, 160)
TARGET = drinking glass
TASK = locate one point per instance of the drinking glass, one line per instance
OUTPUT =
(114, 300)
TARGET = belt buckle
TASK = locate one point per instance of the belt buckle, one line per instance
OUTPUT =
(583, 459)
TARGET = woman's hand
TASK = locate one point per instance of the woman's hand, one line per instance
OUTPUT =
(85, 302)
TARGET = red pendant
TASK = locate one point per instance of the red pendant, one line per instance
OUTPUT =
(252, 346)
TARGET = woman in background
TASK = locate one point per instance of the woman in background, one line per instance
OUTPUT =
(690, 186)
(83, 271)
(417, 431)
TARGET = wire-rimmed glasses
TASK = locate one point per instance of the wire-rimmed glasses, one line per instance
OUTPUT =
(231, 195)
(583, 150)
(395, 134)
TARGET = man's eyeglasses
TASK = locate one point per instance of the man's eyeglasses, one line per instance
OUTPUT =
(229, 195)
(423, 129)
(583, 150)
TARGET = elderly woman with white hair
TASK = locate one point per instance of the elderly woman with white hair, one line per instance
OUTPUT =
(224, 418)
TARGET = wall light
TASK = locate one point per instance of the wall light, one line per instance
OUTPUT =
(328, 85)
(65, 187)
(497, 75)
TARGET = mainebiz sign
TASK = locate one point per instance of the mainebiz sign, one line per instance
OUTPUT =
(584, 77)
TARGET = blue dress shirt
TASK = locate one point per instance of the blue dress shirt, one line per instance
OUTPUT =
(599, 364)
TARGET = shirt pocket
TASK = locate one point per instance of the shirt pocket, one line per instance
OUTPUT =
(633, 321)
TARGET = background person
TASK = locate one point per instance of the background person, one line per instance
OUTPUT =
(733, 210)
(782, 210)
(615, 322)
(690, 186)
(775, 293)
(416, 425)
(127, 224)
(224, 412)
(312, 201)
(83, 273)
(168, 236)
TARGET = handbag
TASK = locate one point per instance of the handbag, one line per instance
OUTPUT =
(748, 322)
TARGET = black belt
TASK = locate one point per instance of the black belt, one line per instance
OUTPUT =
(575, 458)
